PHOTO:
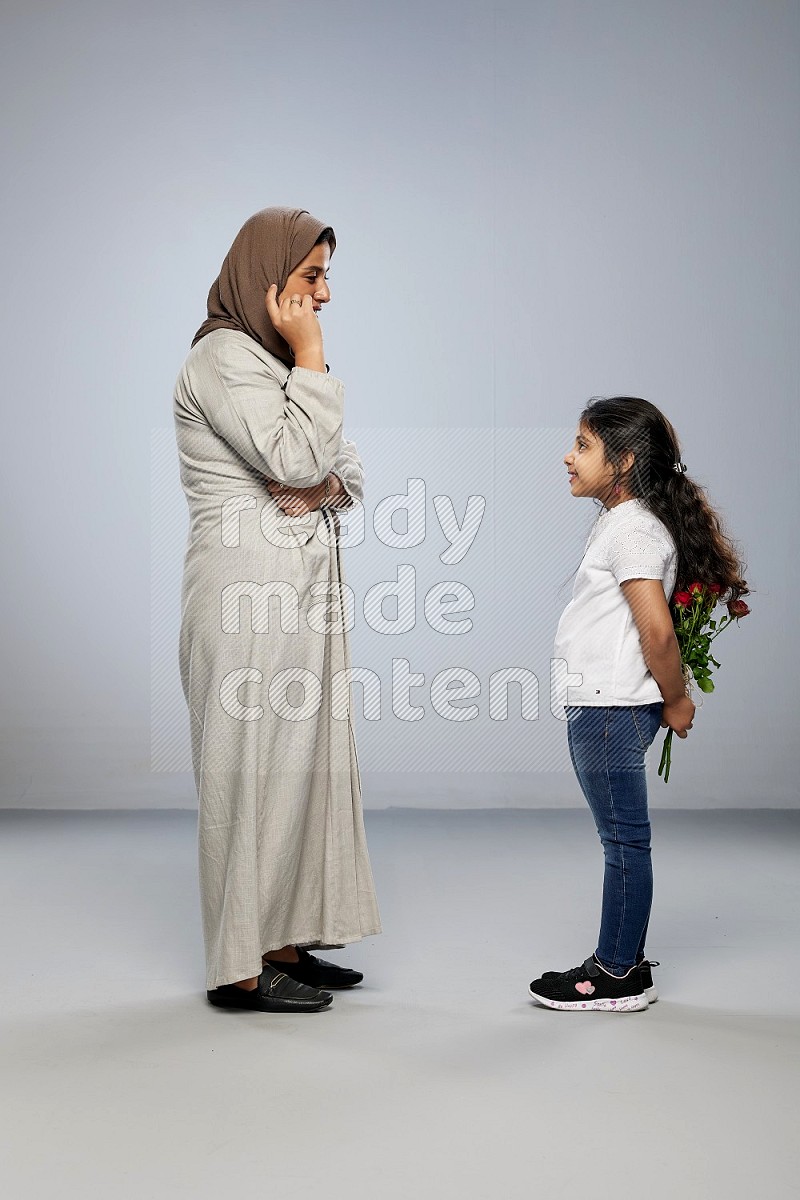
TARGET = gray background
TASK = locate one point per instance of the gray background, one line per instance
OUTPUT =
(534, 204)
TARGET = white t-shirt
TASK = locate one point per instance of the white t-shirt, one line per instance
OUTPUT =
(597, 635)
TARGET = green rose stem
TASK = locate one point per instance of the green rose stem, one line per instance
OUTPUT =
(686, 654)
(666, 757)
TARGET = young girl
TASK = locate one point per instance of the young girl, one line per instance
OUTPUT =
(655, 531)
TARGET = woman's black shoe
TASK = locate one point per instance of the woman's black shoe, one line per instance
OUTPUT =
(318, 973)
(274, 992)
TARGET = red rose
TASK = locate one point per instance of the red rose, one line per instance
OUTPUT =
(695, 587)
(681, 599)
(738, 608)
(715, 588)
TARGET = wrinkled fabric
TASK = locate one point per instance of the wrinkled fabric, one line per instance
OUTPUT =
(282, 848)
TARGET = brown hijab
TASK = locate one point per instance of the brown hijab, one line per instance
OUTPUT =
(266, 250)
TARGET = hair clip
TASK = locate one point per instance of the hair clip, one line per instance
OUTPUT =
(679, 467)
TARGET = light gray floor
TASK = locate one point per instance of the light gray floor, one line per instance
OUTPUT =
(439, 1077)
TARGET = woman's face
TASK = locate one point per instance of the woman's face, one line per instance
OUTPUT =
(309, 277)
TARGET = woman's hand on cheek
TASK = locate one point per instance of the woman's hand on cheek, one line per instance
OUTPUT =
(295, 320)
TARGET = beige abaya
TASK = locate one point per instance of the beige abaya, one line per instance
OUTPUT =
(283, 857)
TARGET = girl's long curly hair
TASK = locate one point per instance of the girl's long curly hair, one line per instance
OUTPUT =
(630, 425)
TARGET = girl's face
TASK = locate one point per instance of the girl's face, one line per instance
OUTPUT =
(309, 278)
(588, 471)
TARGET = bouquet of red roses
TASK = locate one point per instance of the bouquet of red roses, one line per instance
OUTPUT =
(695, 628)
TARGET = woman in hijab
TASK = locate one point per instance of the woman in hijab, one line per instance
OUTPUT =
(283, 857)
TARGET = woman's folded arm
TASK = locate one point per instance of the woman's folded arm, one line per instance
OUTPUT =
(290, 432)
(350, 470)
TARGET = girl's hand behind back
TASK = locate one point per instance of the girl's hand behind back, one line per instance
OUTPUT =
(660, 649)
(678, 716)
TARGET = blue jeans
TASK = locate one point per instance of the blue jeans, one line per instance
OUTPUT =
(607, 747)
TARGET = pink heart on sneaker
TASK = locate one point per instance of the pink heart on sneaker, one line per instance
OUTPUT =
(585, 989)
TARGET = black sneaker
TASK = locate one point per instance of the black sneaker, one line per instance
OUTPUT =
(647, 977)
(590, 987)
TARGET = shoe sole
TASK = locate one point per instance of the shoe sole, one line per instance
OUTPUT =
(331, 987)
(652, 995)
(336, 987)
(620, 1004)
(284, 1008)
(272, 1012)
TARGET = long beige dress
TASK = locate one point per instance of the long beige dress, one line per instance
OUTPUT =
(283, 856)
